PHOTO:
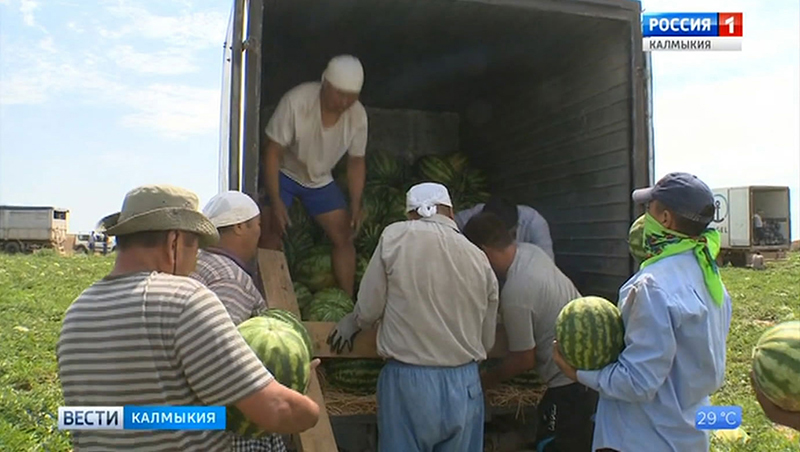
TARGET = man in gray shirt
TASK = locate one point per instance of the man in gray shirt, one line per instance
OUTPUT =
(534, 293)
(523, 222)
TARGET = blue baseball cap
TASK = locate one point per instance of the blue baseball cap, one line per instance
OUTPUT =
(682, 193)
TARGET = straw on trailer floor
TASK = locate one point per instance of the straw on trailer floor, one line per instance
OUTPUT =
(340, 403)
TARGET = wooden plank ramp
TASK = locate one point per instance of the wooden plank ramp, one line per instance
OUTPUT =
(280, 294)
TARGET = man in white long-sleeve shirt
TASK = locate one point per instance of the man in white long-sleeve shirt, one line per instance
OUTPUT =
(437, 297)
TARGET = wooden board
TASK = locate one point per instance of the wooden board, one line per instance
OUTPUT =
(365, 344)
(280, 294)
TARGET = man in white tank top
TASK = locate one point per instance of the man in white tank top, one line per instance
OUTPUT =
(314, 125)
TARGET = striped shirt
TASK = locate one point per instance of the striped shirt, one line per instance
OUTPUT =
(231, 283)
(226, 276)
(151, 338)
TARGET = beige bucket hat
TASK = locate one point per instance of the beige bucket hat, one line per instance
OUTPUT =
(161, 208)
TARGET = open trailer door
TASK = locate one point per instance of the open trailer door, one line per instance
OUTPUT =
(231, 102)
(251, 94)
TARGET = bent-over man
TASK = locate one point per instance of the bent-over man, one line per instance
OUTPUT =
(677, 314)
(436, 298)
(147, 334)
(524, 223)
(224, 271)
(533, 295)
(312, 128)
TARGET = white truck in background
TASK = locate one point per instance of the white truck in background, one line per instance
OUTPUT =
(24, 229)
(752, 220)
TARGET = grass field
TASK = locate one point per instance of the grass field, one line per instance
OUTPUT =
(36, 290)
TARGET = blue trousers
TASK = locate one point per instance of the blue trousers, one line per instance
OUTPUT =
(430, 409)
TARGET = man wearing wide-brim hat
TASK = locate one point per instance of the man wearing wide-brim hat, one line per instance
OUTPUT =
(146, 334)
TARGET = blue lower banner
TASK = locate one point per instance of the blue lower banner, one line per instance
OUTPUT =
(174, 417)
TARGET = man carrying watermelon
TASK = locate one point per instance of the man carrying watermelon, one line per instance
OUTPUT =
(531, 298)
(677, 313)
(523, 222)
(435, 295)
(222, 269)
(312, 128)
(147, 334)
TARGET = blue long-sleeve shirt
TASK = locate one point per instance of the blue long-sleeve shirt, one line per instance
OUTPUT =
(532, 227)
(674, 359)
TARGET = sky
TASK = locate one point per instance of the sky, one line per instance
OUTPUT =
(100, 96)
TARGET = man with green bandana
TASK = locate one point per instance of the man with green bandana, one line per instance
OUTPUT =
(677, 314)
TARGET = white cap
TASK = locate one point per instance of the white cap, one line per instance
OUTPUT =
(231, 207)
(425, 196)
(345, 73)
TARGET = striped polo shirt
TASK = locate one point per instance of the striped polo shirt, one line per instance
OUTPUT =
(224, 276)
(152, 338)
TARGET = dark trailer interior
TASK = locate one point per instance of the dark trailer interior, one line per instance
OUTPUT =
(547, 97)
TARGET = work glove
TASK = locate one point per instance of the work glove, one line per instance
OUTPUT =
(343, 333)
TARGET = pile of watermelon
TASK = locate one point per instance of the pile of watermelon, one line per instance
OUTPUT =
(308, 250)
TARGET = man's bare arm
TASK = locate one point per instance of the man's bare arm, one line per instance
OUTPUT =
(278, 409)
(273, 153)
(513, 364)
(356, 177)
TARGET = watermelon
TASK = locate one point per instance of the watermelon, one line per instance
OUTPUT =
(303, 295)
(295, 323)
(356, 376)
(590, 333)
(385, 170)
(283, 352)
(368, 238)
(776, 365)
(315, 270)
(327, 305)
(636, 239)
(433, 168)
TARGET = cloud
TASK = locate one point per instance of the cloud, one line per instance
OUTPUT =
(191, 30)
(92, 74)
(174, 110)
(27, 7)
(170, 61)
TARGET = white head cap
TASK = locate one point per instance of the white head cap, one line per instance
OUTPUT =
(345, 73)
(425, 196)
(231, 207)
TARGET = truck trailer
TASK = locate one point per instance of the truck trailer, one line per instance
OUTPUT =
(24, 229)
(552, 100)
(750, 220)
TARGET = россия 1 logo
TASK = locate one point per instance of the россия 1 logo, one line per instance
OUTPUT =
(692, 31)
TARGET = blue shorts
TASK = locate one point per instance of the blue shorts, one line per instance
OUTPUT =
(315, 200)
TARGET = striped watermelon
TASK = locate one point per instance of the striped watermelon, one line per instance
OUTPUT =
(303, 295)
(328, 305)
(434, 168)
(776, 365)
(385, 170)
(590, 333)
(283, 351)
(356, 376)
(295, 323)
(315, 269)
(636, 239)
(368, 238)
